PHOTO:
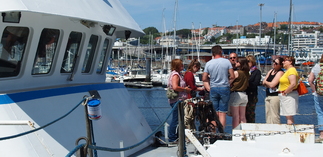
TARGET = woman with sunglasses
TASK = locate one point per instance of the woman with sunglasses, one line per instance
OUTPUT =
(287, 90)
(271, 82)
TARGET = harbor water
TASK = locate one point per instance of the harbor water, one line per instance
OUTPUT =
(155, 107)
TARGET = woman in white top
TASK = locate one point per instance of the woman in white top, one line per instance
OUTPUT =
(177, 83)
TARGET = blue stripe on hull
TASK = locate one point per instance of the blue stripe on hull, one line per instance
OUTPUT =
(30, 95)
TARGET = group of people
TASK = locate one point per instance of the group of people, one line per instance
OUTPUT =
(233, 88)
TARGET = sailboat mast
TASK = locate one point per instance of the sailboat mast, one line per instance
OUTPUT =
(237, 36)
(175, 10)
(193, 38)
(290, 28)
(164, 36)
(275, 16)
(198, 51)
(260, 5)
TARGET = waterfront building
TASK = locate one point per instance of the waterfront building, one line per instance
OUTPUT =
(315, 53)
(168, 41)
(211, 32)
(306, 40)
(308, 45)
(252, 41)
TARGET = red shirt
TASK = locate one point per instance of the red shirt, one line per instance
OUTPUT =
(190, 82)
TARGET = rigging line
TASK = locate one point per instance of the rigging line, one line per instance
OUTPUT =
(31, 131)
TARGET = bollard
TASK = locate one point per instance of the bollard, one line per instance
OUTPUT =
(181, 129)
(82, 152)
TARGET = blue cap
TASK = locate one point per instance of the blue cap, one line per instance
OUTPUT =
(93, 102)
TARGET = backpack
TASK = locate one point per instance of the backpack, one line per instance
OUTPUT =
(319, 81)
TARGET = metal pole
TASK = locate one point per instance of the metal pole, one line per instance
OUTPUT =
(275, 34)
(88, 130)
(290, 28)
(181, 130)
(175, 16)
(261, 4)
(237, 36)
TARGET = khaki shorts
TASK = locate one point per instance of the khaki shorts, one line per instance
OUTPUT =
(238, 99)
(288, 104)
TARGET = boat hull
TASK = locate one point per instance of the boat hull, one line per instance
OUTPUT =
(121, 120)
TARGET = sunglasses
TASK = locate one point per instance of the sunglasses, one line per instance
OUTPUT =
(275, 63)
(233, 57)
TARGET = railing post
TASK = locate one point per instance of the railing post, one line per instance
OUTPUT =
(88, 130)
(181, 130)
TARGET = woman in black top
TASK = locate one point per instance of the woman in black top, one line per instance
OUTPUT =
(272, 101)
(252, 90)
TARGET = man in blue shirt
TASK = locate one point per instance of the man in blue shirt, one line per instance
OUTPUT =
(217, 74)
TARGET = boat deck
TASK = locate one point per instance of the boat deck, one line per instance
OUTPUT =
(164, 151)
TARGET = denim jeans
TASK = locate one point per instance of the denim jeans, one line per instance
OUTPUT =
(318, 104)
(220, 96)
(173, 125)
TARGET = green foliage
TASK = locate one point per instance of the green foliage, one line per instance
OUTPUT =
(230, 37)
(151, 30)
(213, 39)
(305, 28)
(151, 34)
(282, 38)
(208, 43)
(251, 35)
(205, 31)
(284, 27)
(321, 29)
(183, 33)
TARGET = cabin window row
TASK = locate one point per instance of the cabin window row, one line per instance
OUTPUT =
(13, 45)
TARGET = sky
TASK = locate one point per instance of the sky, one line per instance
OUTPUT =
(205, 13)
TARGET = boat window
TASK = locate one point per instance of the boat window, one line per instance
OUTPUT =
(45, 51)
(91, 48)
(103, 54)
(12, 48)
(71, 52)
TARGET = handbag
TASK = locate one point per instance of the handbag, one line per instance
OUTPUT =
(171, 94)
(301, 89)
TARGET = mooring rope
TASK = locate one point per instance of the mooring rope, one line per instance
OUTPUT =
(42, 127)
(126, 148)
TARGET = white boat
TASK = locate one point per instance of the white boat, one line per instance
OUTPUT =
(299, 61)
(160, 76)
(52, 53)
(53, 57)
